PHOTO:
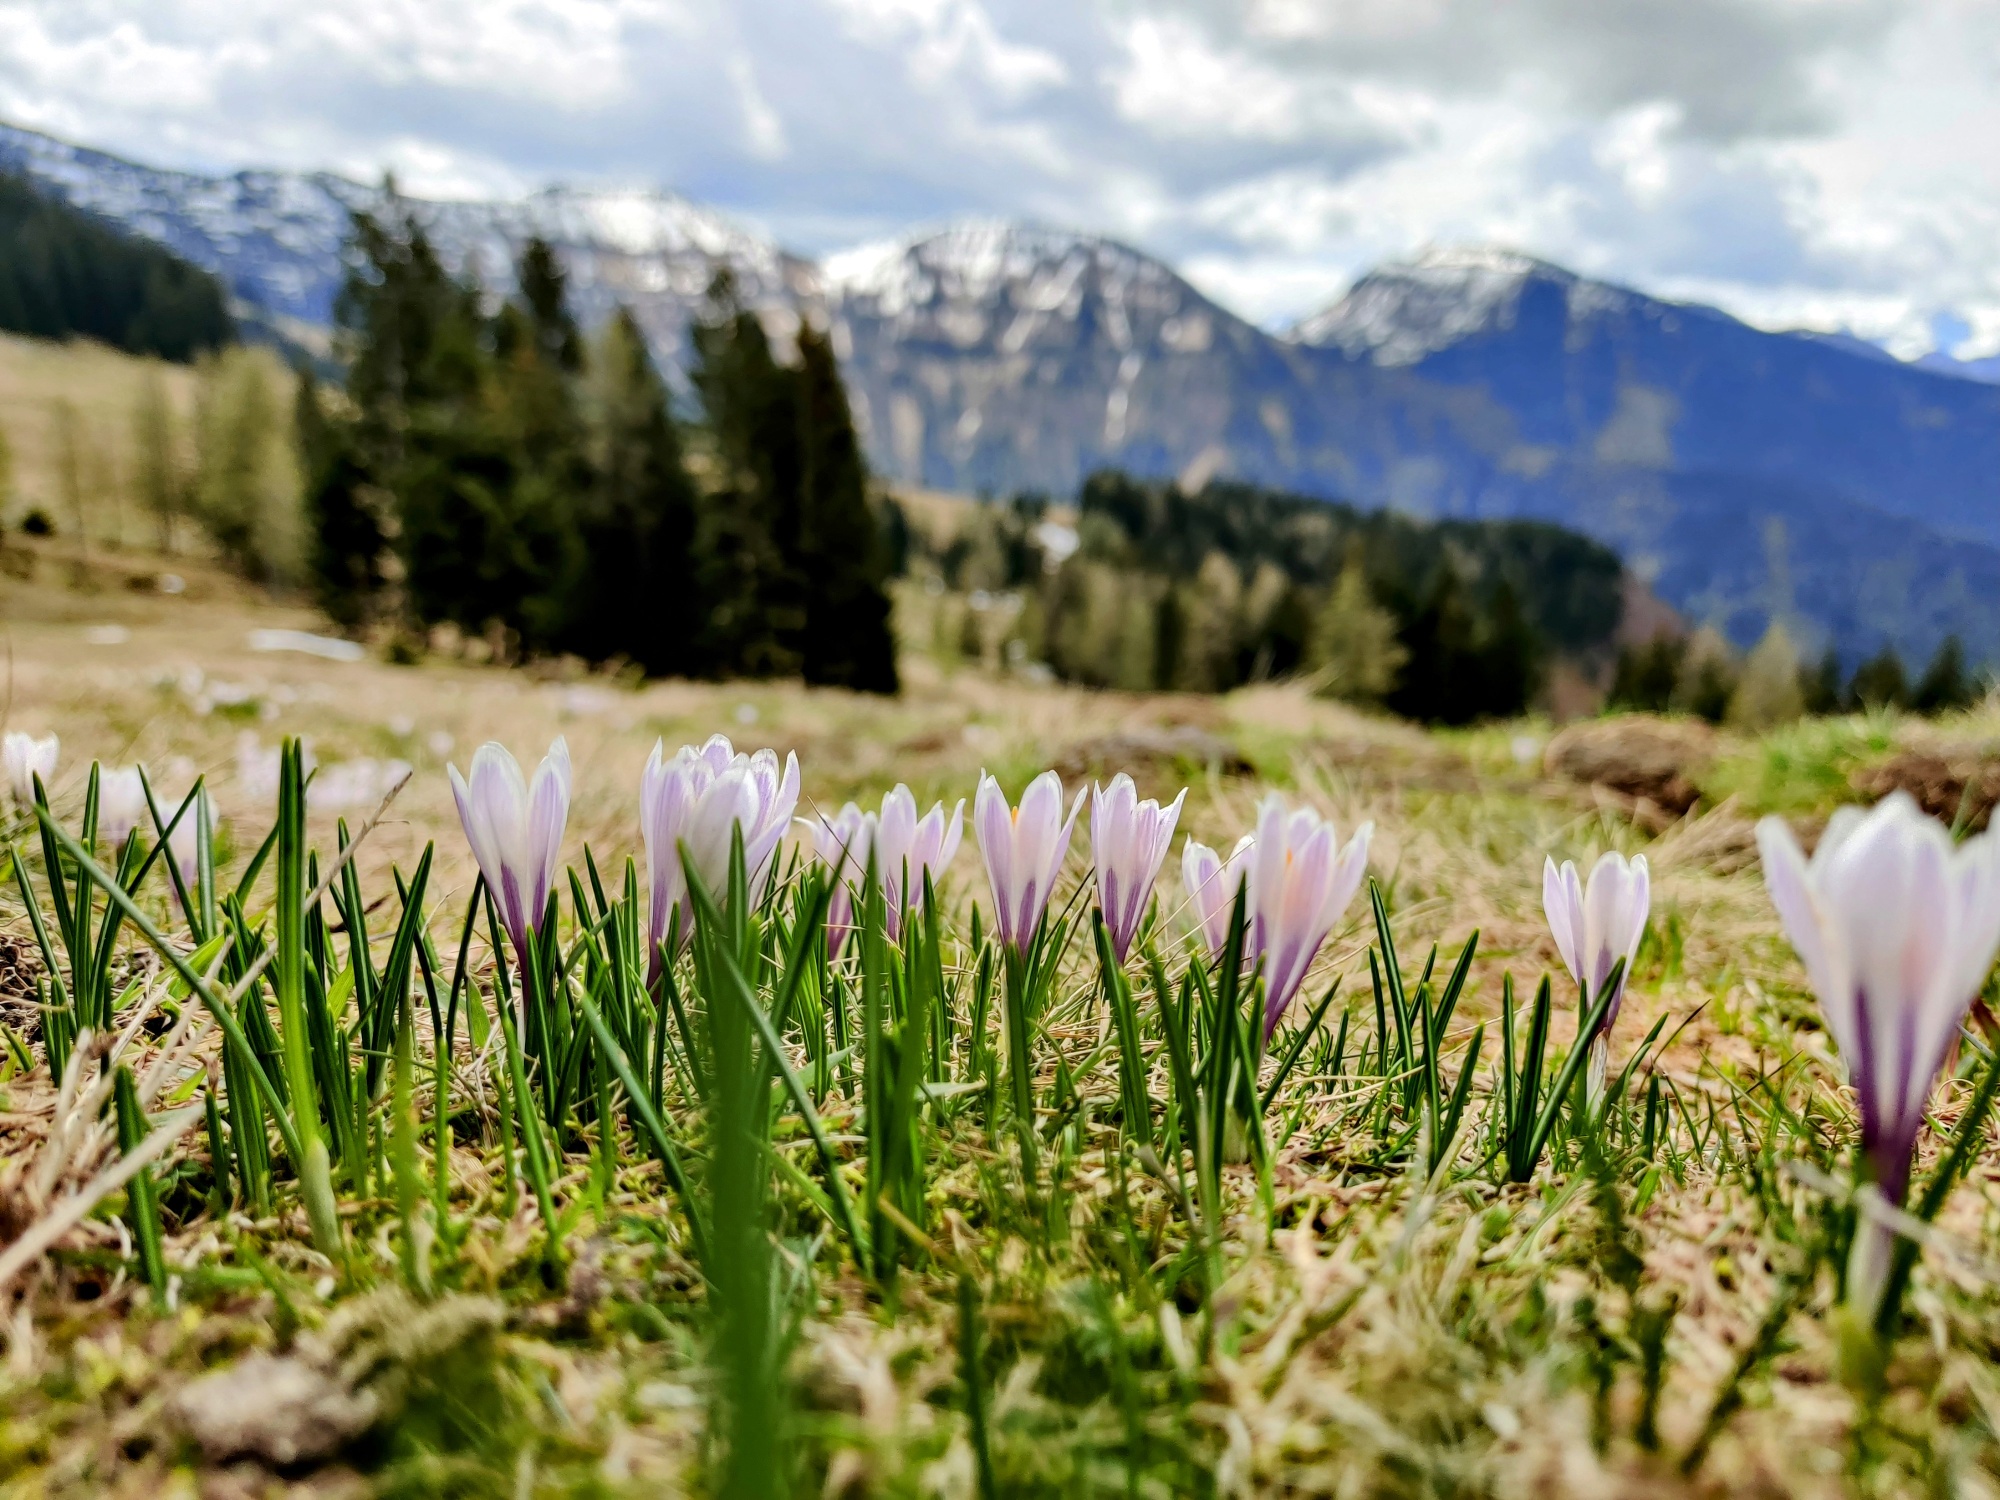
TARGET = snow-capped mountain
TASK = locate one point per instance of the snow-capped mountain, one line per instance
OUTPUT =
(276, 239)
(1743, 473)
(1404, 311)
(999, 356)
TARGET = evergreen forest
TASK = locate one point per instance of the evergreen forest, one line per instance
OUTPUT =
(491, 468)
(66, 274)
(1447, 621)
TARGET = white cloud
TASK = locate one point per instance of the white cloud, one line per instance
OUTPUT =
(1821, 162)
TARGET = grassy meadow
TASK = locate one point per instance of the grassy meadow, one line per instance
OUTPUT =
(1352, 1299)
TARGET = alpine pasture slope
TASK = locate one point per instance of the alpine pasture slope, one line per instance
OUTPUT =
(932, 1215)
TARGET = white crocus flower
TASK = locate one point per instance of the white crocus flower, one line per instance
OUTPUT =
(1897, 929)
(1129, 840)
(121, 805)
(1023, 848)
(23, 758)
(1301, 880)
(516, 830)
(1596, 923)
(699, 798)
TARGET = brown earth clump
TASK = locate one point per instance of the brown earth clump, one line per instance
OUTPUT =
(1952, 790)
(1651, 761)
(1146, 752)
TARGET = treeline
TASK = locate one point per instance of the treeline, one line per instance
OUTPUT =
(1446, 622)
(1699, 674)
(496, 471)
(64, 273)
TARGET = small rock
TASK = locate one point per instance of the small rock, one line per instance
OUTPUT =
(274, 1408)
(1638, 756)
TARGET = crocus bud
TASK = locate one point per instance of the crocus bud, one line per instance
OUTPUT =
(1301, 879)
(1023, 848)
(1595, 924)
(121, 805)
(1897, 929)
(841, 842)
(1128, 841)
(1212, 883)
(23, 758)
(515, 830)
(908, 847)
(699, 798)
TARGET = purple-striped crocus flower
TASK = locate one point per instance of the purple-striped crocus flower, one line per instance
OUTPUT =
(1301, 879)
(1023, 848)
(908, 847)
(1897, 929)
(841, 842)
(1212, 883)
(1596, 923)
(699, 798)
(23, 757)
(1128, 841)
(516, 830)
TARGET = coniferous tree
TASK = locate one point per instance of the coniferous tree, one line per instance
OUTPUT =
(1645, 677)
(1819, 687)
(1879, 682)
(531, 411)
(65, 272)
(1708, 677)
(1945, 684)
(1510, 653)
(348, 543)
(749, 527)
(1440, 682)
(847, 639)
(641, 600)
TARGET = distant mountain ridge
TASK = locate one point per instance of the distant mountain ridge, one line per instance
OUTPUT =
(1744, 474)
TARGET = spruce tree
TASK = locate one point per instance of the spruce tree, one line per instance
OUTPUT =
(1819, 687)
(1645, 677)
(1879, 682)
(532, 414)
(1510, 653)
(641, 599)
(842, 558)
(1945, 684)
(346, 540)
(1440, 681)
(747, 538)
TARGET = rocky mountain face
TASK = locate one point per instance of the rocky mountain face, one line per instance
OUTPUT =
(1742, 473)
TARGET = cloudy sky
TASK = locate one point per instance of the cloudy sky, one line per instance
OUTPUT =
(1821, 163)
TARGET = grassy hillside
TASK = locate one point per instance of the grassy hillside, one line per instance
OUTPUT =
(1357, 1324)
(102, 389)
